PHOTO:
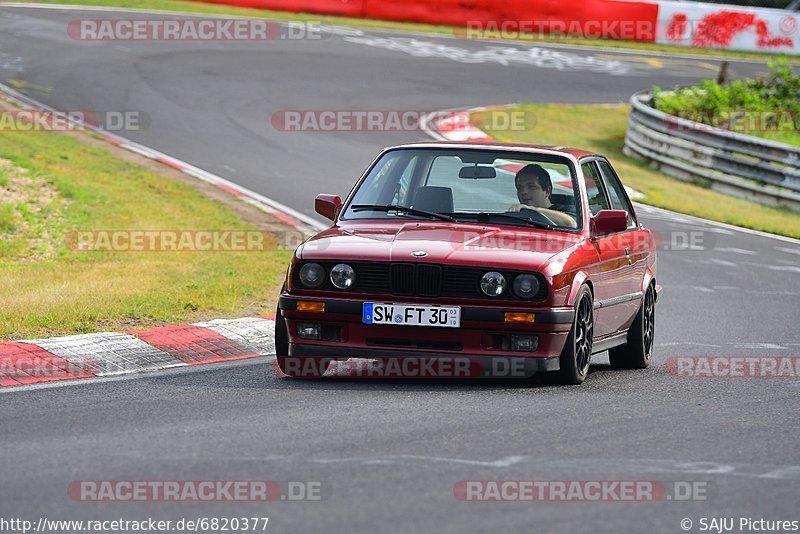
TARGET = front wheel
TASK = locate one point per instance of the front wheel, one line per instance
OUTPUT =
(637, 351)
(577, 352)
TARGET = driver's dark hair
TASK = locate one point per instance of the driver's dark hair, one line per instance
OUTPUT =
(538, 172)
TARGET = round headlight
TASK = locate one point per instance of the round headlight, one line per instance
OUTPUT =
(493, 284)
(312, 275)
(343, 276)
(526, 286)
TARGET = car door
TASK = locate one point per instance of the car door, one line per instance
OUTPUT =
(635, 244)
(612, 275)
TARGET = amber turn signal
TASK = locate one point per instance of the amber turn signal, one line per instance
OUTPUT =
(514, 317)
(310, 306)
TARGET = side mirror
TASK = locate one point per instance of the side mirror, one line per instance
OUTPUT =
(328, 205)
(609, 222)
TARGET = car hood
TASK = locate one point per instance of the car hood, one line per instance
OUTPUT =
(511, 247)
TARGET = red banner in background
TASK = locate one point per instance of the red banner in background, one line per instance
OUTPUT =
(731, 27)
(589, 18)
(342, 8)
(662, 21)
(616, 19)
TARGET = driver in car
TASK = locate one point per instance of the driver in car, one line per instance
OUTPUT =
(534, 189)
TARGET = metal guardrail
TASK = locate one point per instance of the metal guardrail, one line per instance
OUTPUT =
(739, 165)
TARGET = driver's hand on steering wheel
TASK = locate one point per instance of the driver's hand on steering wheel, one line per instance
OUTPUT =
(520, 207)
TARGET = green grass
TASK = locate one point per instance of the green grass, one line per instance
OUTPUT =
(6, 218)
(218, 9)
(601, 128)
(50, 288)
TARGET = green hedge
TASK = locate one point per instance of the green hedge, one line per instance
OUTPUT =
(765, 108)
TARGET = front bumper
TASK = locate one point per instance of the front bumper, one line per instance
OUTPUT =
(479, 336)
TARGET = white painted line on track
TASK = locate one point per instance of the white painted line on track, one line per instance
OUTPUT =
(757, 345)
(789, 268)
(735, 250)
(703, 289)
(506, 461)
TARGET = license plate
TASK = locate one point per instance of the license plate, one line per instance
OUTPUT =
(411, 315)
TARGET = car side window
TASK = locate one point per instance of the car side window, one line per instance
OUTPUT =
(594, 188)
(614, 187)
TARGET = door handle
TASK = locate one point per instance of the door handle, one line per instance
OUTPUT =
(628, 255)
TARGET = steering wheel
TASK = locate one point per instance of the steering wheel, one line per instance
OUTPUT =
(536, 216)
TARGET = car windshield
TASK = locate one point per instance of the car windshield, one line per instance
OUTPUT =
(470, 185)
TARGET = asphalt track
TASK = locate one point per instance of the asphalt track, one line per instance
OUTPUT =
(388, 452)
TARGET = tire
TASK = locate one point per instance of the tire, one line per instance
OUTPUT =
(637, 351)
(294, 366)
(577, 351)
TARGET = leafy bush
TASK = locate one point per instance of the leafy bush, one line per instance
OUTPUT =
(765, 108)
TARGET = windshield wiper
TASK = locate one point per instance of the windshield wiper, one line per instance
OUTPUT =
(524, 220)
(393, 207)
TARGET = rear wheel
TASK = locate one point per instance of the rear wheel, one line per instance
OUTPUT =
(637, 351)
(295, 366)
(577, 352)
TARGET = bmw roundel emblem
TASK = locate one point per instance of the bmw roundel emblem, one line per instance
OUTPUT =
(419, 253)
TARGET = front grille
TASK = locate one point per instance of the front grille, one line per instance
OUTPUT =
(403, 279)
(429, 280)
(418, 279)
(406, 279)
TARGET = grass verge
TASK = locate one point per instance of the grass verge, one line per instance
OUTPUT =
(52, 184)
(219, 9)
(601, 128)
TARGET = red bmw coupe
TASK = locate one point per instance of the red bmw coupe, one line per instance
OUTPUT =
(476, 251)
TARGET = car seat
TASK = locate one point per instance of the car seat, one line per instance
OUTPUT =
(433, 198)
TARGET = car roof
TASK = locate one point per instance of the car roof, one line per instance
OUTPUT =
(577, 153)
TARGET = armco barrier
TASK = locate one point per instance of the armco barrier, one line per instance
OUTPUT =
(730, 162)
